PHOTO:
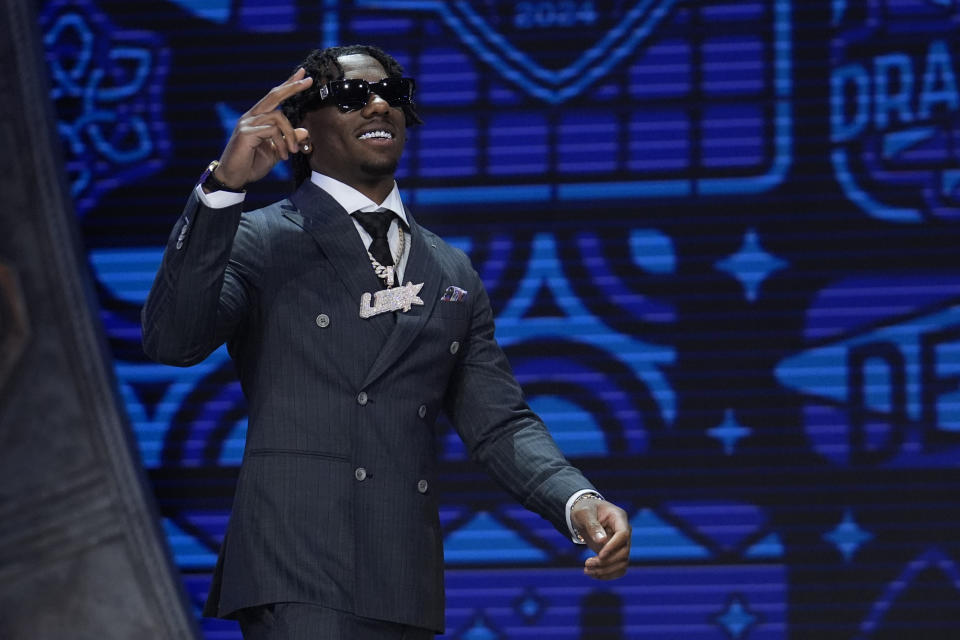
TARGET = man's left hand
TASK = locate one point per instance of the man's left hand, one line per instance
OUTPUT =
(606, 530)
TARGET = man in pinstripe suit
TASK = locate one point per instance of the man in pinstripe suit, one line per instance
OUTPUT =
(352, 328)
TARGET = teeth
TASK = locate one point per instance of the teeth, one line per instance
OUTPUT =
(376, 134)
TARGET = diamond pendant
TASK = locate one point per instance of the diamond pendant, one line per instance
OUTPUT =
(396, 299)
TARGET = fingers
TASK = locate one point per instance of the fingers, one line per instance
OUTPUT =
(585, 521)
(301, 135)
(265, 112)
(588, 518)
(613, 546)
(619, 545)
(293, 85)
(263, 136)
(606, 572)
(613, 559)
(594, 535)
(296, 75)
(272, 128)
(613, 517)
(286, 134)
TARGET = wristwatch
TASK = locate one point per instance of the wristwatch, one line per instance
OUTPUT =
(209, 180)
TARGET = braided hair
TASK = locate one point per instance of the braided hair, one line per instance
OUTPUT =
(322, 66)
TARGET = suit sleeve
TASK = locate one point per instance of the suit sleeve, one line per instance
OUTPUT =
(487, 407)
(204, 287)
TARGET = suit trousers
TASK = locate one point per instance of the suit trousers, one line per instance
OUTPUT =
(302, 621)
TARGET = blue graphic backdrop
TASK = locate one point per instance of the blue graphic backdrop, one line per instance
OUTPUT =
(720, 240)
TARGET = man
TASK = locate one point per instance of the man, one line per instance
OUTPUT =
(350, 334)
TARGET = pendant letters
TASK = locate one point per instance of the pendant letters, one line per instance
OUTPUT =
(396, 299)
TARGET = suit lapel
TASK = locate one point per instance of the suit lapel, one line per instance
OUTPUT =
(422, 266)
(333, 229)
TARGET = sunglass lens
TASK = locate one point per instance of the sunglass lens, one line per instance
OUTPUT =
(351, 94)
(396, 91)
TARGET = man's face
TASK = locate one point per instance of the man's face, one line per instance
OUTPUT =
(343, 147)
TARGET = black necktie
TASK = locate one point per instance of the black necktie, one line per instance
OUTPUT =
(376, 224)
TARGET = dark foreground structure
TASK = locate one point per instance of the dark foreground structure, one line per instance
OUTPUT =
(81, 551)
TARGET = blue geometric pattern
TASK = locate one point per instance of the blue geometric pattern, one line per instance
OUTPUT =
(484, 540)
(530, 606)
(720, 243)
(519, 322)
(848, 536)
(105, 84)
(277, 16)
(769, 547)
(931, 559)
(878, 383)
(751, 265)
(597, 43)
(736, 620)
(626, 32)
(654, 539)
(480, 630)
(895, 103)
(729, 432)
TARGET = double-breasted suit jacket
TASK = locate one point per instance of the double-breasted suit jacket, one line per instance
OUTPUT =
(335, 503)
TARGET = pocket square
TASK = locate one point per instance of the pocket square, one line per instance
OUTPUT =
(454, 294)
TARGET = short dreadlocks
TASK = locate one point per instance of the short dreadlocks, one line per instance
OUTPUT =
(322, 66)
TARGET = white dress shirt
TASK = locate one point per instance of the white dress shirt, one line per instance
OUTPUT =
(348, 198)
(352, 200)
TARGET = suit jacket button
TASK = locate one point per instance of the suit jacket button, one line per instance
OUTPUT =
(362, 398)
(422, 486)
(454, 347)
(360, 474)
(323, 320)
(422, 411)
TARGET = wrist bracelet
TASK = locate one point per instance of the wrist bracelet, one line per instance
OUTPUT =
(209, 180)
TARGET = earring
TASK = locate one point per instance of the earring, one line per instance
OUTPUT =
(306, 146)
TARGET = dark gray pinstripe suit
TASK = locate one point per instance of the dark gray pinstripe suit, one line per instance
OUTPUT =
(325, 401)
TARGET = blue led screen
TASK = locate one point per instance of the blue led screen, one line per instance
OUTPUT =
(720, 242)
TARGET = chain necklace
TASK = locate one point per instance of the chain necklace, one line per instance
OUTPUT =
(387, 273)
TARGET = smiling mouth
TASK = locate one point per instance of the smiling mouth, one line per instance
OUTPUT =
(376, 135)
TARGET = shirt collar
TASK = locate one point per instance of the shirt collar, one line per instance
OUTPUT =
(352, 200)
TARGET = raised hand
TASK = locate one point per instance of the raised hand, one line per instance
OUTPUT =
(263, 136)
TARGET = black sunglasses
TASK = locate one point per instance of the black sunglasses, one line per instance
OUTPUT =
(350, 94)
